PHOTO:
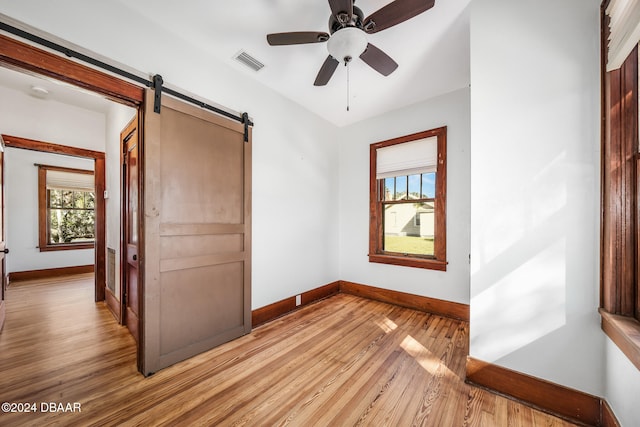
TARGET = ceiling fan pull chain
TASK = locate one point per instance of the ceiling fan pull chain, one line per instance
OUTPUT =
(347, 65)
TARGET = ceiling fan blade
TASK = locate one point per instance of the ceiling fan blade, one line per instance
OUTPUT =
(297, 37)
(378, 60)
(326, 71)
(394, 13)
(342, 10)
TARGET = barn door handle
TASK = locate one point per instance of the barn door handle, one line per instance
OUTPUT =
(135, 257)
(6, 251)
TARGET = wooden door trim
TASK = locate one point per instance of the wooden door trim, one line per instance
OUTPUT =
(133, 125)
(49, 147)
(123, 223)
(100, 209)
(26, 57)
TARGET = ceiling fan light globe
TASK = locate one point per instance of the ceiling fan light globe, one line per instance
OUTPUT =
(347, 42)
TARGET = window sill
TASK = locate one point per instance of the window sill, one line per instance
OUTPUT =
(70, 247)
(431, 264)
(625, 333)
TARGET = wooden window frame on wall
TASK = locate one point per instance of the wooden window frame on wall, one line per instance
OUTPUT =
(620, 200)
(43, 212)
(376, 252)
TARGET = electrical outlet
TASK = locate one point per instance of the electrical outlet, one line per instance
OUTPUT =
(298, 300)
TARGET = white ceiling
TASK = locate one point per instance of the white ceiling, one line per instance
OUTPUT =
(57, 91)
(432, 50)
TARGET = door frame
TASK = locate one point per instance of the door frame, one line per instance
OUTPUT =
(98, 158)
(124, 223)
(30, 59)
(16, 54)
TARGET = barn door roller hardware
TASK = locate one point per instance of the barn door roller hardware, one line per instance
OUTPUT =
(157, 97)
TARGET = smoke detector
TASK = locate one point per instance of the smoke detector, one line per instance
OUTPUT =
(39, 92)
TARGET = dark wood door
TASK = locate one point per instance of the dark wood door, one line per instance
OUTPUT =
(197, 232)
(130, 296)
(3, 248)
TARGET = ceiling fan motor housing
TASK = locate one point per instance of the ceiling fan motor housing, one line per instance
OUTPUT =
(356, 21)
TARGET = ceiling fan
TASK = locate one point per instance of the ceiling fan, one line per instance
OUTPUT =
(349, 31)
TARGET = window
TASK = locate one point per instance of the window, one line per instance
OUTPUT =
(66, 199)
(407, 193)
(620, 236)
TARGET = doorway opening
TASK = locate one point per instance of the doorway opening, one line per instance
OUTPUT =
(62, 85)
(33, 159)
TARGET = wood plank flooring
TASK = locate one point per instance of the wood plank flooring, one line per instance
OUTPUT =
(343, 361)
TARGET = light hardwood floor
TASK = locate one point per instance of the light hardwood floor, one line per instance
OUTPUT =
(343, 361)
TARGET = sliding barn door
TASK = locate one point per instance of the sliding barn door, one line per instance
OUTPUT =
(197, 222)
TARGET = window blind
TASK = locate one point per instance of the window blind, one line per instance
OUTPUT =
(70, 180)
(409, 158)
(624, 26)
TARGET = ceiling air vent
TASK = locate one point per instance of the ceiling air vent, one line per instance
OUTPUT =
(249, 60)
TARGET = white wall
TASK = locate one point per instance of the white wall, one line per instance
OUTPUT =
(295, 168)
(21, 195)
(50, 121)
(117, 118)
(535, 168)
(622, 385)
(451, 110)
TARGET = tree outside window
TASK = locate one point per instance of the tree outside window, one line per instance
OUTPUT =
(71, 216)
(67, 203)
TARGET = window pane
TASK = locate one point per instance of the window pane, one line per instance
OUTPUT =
(90, 200)
(67, 199)
(71, 226)
(55, 231)
(429, 185)
(389, 187)
(55, 198)
(78, 199)
(409, 228)
(414, 187)
(401, 188)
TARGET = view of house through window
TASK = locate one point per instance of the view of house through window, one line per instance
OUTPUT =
(67, 200)
(409, 214)
(408, 200)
